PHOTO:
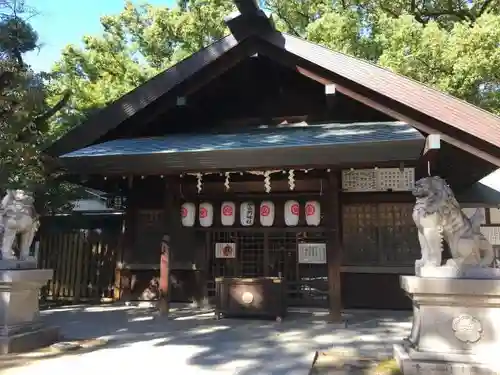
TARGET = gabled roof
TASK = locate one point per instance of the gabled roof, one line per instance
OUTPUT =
(131, 103)
(459, 123)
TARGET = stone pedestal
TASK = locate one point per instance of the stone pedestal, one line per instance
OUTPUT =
(456, 326)
(20, 325)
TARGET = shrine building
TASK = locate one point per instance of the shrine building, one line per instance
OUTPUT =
(267, 155)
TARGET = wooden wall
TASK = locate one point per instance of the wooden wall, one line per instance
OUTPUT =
(193, 263)
(376, 230)
(83, 252)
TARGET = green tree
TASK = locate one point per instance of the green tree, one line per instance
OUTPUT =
(24, 111)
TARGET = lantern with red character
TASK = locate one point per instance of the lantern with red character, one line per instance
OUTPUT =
(227, 213)
(266, 213)
(292, 211)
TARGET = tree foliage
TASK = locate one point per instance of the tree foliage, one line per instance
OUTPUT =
(24, 111)
(452, 45)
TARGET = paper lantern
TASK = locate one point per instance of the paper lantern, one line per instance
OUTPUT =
(227, 213)
(206, 214)
(188, 214)
(313, 213)
(266, 213)
(247, 214)
(292, 210)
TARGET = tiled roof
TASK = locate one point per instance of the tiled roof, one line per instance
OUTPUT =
(299, 135)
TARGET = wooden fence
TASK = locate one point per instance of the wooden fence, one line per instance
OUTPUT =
(83, 252)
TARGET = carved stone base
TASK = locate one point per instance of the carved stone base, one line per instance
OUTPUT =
(20, 325)
(427, 365)
(455, 326)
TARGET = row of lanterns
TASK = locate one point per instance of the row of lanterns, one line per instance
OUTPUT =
(312, 211)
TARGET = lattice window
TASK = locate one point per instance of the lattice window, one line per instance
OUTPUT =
(379, 234)
(398, 236)
(251, 254)
(360, 234)
(283, 254)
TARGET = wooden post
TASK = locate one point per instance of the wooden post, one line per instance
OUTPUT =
(164, 275)
(123, 276)
(334, 246)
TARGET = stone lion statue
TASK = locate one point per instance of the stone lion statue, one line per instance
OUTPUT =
(438, 217)
(17, 218)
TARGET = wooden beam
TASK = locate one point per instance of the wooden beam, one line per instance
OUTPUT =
(430, 153)
(330, 90)
(334, 247)
(248, 20)
(432, 144)
(165, 258)
(418, 125)
(331, 98)
(315, 77)
(165, 247)
(246, 6)
(123, 276)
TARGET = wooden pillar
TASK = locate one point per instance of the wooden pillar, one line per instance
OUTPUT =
(123, 276)
(171, 237)
(200, 292)
(333, 246)
(164, 305)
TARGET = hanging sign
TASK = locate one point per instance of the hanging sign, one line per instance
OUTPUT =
(206, 214)
(266, 213)
(313, 213)
(312, 253)
(227, 213)
(188, 214)
(225, 250)
(292, 210)
(247, 214)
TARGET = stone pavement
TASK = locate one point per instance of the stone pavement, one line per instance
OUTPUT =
(192, 342)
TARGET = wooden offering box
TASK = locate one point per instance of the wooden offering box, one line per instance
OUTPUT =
(251, 297)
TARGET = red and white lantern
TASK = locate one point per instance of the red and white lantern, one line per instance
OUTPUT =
(206, 214)
(247, 214)
(227, 213)
(266, 213)
(313, 213)
(292, 211)
(188, 214)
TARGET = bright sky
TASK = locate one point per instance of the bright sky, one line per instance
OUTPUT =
(62, 22)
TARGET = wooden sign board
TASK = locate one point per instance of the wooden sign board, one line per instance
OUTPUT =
(225, 250)
(312, 253)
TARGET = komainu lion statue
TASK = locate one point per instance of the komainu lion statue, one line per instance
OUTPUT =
(18, 218)
(438, 217)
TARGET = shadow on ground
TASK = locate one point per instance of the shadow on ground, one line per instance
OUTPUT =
(191, 341)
